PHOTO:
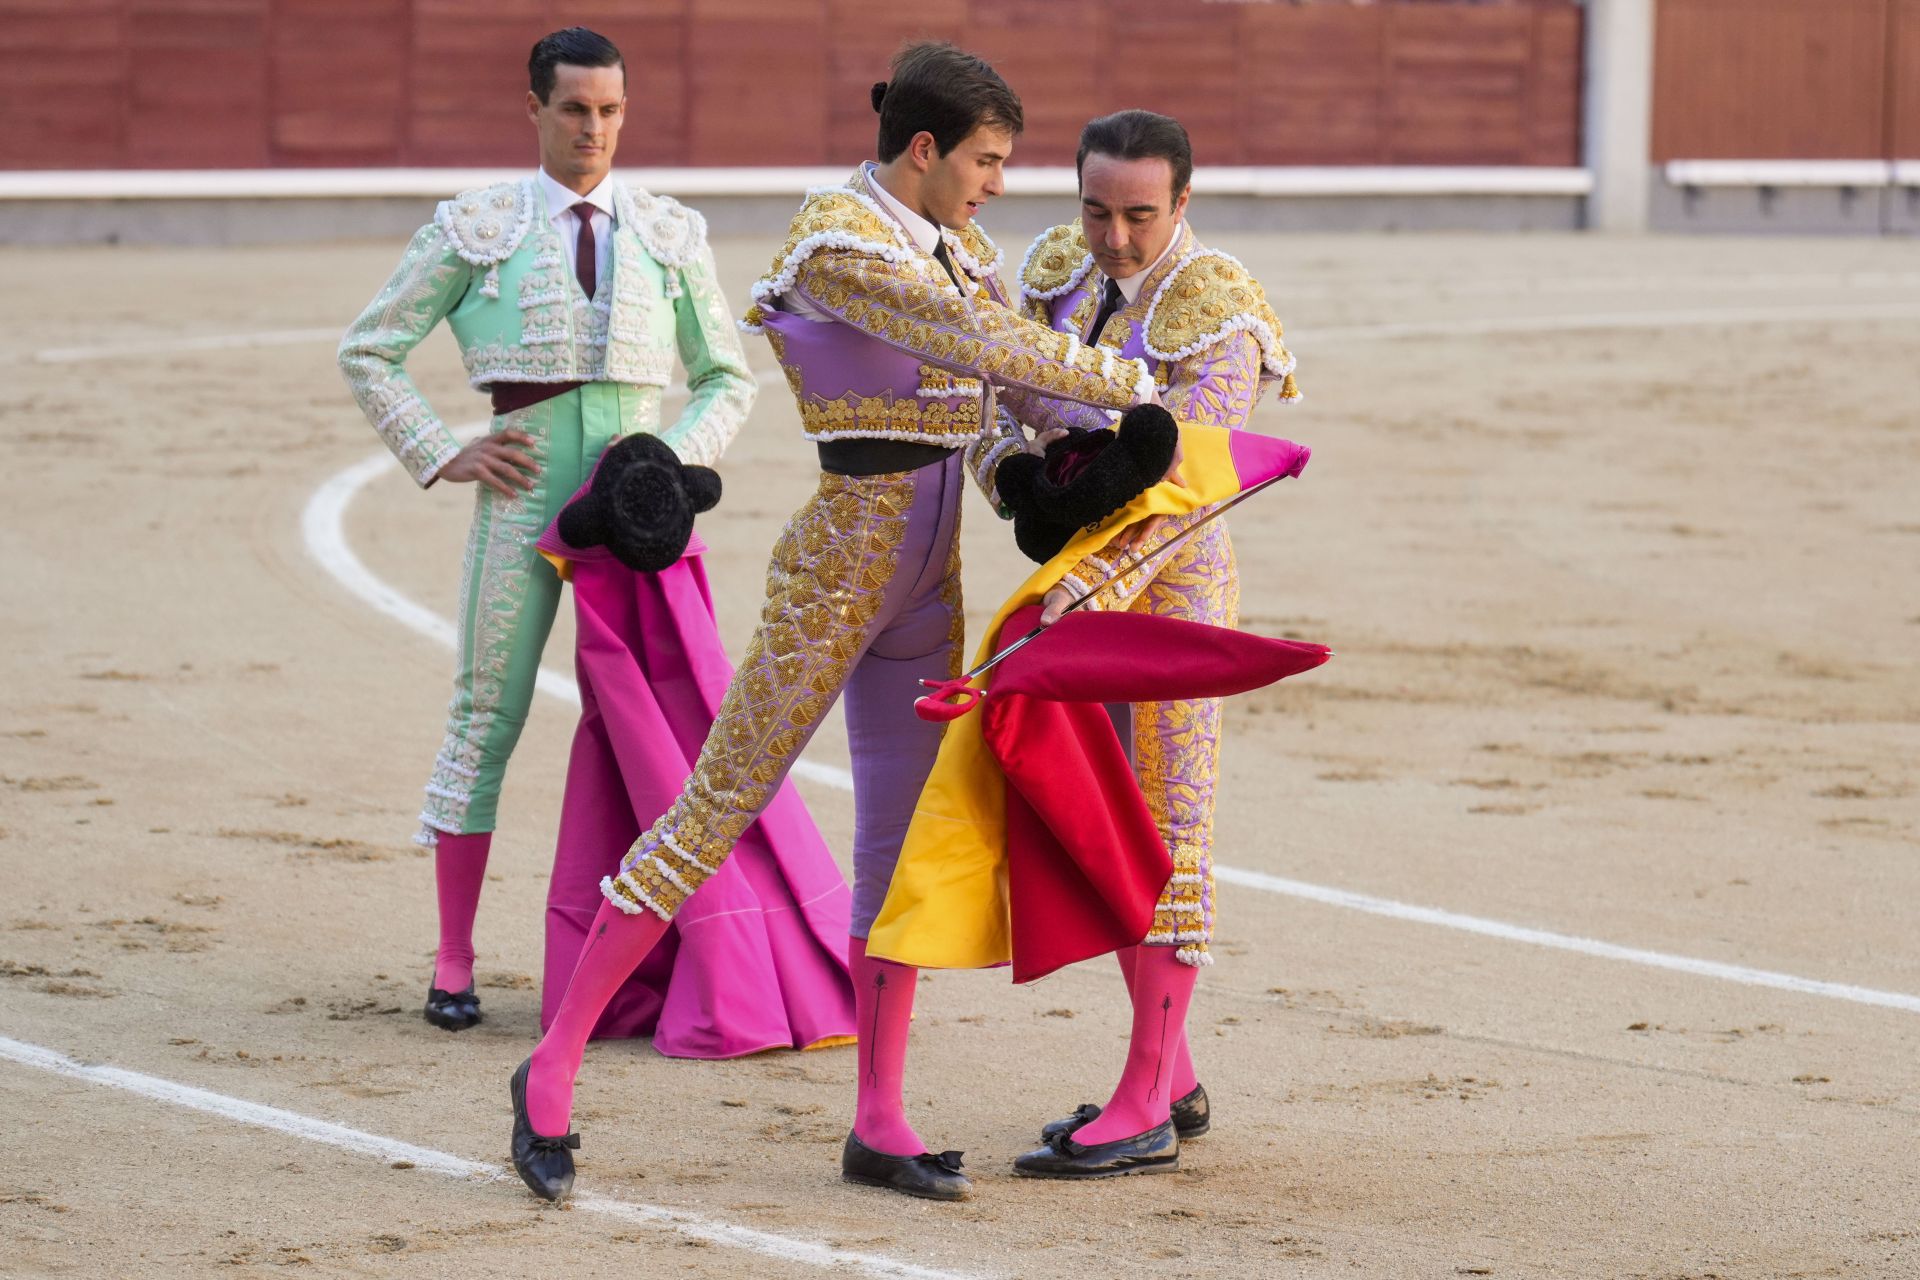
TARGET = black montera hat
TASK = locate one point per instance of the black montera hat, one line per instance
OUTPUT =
(641, 504)
(1084, 478)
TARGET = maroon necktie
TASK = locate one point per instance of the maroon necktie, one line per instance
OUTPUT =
(586, 269)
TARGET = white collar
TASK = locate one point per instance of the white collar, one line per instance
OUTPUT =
(560, 199)
(923, 233)
(1131, 286)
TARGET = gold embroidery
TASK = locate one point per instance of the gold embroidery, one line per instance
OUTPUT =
(828, 213)
(825, 584)
(1082, 314)
(980, 245)
(1206, 299)
(935, 421)
(1056, 256)
(1177, 744)
(935, 381)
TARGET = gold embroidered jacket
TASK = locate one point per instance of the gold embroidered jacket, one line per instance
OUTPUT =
(877, 340)
(1200, 321)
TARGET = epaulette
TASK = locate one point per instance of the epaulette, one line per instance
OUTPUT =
(671, 232)
(976, 253)
(837, 218)
(1207, 296)
(1057, 261)
(486, 225)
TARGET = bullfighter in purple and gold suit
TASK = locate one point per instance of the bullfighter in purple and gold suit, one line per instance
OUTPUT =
(899, 343)
(1131, 278)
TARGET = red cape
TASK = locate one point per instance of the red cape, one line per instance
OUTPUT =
(1085, 862)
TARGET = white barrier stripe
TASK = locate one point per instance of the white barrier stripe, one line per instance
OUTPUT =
(308, 1128)
(1779, 173)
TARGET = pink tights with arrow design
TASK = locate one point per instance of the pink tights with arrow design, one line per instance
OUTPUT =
(1162, 988)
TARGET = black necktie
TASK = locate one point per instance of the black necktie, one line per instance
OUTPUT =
(940, 252)
(1110, 300)
(586, 268)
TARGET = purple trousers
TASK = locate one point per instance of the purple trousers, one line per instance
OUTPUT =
(863, 598)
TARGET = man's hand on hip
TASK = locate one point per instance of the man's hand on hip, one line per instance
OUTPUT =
(495, 462)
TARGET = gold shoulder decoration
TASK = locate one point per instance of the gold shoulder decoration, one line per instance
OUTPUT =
(1206, 297)
(840, 219)
(1055, 263)
(978, 255)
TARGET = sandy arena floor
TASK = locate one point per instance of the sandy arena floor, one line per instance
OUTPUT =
(1617, 541)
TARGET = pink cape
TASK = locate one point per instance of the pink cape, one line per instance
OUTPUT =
(757, 958)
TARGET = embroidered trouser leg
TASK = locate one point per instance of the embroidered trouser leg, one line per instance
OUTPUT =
(1176, 745)
(863, 595)
(508, 595)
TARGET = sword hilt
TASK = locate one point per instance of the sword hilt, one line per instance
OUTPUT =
(949, 700)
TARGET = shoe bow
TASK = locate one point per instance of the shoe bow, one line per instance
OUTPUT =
(1062, 1144)
(948, 1160)
(570, 1142)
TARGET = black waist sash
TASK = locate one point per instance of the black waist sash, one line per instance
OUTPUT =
(864, 456)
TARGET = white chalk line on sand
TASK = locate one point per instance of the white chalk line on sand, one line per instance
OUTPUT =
(1822, 314)
(184, 346)
(691, 1225)
(1566, 942)
(324, 524)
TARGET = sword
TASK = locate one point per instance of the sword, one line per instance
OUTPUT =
(952, 699)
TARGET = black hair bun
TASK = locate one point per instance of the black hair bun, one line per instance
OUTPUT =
(641, 504)
(879, 93)
(1084, 478)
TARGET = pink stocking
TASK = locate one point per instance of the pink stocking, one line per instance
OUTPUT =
(459, 869)
(1162, 987)
(616, 944)
(1184, 1079)
(883, 1009)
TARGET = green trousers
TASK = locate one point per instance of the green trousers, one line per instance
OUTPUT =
(508, 595)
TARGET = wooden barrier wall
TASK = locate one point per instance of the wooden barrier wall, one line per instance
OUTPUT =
(259, 83)
(1787, 80)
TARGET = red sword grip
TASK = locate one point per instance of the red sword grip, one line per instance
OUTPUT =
(949, 700)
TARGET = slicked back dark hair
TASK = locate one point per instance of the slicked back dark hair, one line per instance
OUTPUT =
(575, 46)
(1139, 135)
(941, 90)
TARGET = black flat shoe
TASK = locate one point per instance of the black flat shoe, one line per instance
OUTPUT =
(926, 1175)
(1192, 1117)
(453, 1010)
(1084, 1114)
(1155, 1151)
(544, 1164)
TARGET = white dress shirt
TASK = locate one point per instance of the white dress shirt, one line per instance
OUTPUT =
(924, 234)
(560, 212)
